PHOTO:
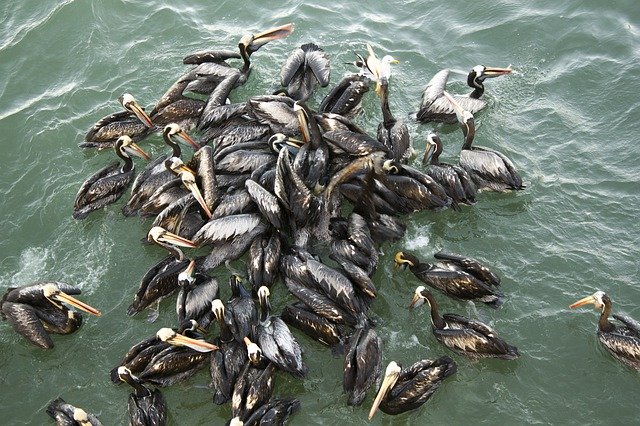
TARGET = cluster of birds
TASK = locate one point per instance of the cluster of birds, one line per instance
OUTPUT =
(277, 180)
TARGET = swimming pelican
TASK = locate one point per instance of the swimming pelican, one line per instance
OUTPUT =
(362, 364)
(107, 185)
(67, 415)
(622, 340)
(146, 407)
(132, 122)
(489, 169)
(466, 337)
(37, 309)
(434, 107)
(456, 276)
(197, 292)
(307, 66)
(407, 389)
(455, 180)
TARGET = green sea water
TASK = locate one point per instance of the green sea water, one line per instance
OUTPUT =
(568, 119)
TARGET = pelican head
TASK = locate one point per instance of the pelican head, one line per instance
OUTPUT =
(480, 72)
(391, 167)
(186, 277)
(250, 43)
(53, 293)
(162, 237)
(405, 259)
(254, 353)
(80, 416)
(599, 299)
(432, 149)
(173, 129)
(129, 103)
(391, 375)
(127, 147)
(217, 307)
(418, 297)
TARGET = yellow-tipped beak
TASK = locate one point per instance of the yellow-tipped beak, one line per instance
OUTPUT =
(139, 112)
(273, 34)
(191, 186)
(495, 72)
(387, 384)
(188, 139)
(171, 238)
(134, 149)
(64, 297)
(195, 344)
(585, 301)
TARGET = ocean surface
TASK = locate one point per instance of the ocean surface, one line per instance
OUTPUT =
(568, 118)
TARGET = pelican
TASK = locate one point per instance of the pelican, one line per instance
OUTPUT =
(407, 389)
(264, 260)
(298, 315)
(307, 66)
(362, 364)
(622, 339)
(489, 169)
(169, 241)
(253, 389)
(165, 358)
(345, 98)
(108, 129)
(229, 360)
(146, 407)
(274, 412)
(156, 173)
(393, 133)
(67, 415)
(276, 341)
(248, 45)
(188, 178)
(240, 314)
(455, 180)
(434, 107)
(37, 309)
(456, 276)
(107, 185)
(197, 292)
(466, 337)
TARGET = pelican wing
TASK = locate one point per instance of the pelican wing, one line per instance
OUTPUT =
(293, 63)
(24, 320)
(354, 143)
(491, 166)
(89, 192)
(225, 228)
(318, 61)
(626, 347)
(471, 266)
(267, 203)
(279, 346)
(199, 299)
(210, 56)
(632, 324)
(335, 285)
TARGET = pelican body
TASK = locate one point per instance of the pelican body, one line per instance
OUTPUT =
(36, 310)
(470, 338)
(435, 108)
(307, 66)
(620, 339)
(108, 184)
(146, 407)
(405, 389)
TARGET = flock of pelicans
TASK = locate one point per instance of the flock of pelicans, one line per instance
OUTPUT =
(280, 181)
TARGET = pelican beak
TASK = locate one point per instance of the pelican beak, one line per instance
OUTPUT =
(176, 240)
(188, 139)
(134, 149)
(496, 72)
(195, 344)
(416, 301)
(139, 112)
(456, 106)
(64, 297)
(302, 120)
(276, 33)
(399, 261)
(190, 268)
(193, 187)
(387, 383)
(429, 149)
(394, 61)
(582, 302)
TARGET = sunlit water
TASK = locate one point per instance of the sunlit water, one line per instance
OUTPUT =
(568, 120)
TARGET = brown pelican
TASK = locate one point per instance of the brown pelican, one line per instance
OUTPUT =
(240, 314)
(188, 178)
(166, 358)
(466, 337)
(253, 389)
(455, 180)
(456, 276)
(393, 133)
(156, 174)
(132, 122)
(274, 412)
(434, 107)
(197, 292)
(36, 309)
(264, 260)
(298, 315)
(407, 389)
(248, 45)
(362, 363)
(67, 415)
(346, 98)
(489, 169)
(228, 361)
(107, 185)
(276, 341)
(169, 241)
(622, 339)
(307, 66)
(146, 407)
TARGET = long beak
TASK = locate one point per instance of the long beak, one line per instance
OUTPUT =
(64, 297)
(496, 72)
(272, 34)
(139, 112)
(302, 120)
(191, 186)
(456, 105)
(190, 268)
(177, 240)
(582, 302)
(429, 149)
(195, 344)
(188, 139)
(416, 301)
(134, 149)
(387, 384)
